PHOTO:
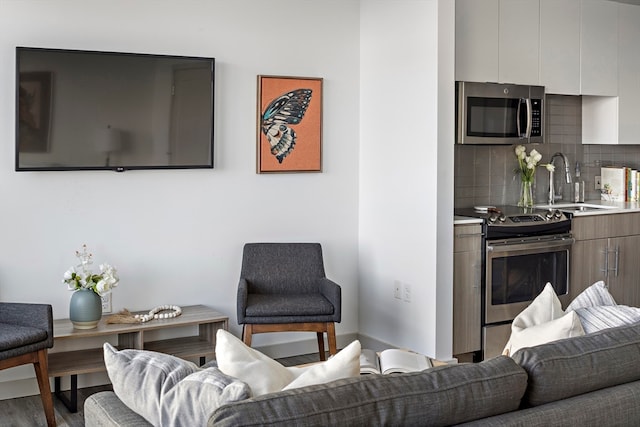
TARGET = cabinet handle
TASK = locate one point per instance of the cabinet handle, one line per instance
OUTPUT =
(617, 260)
(476, 282)
(605, 270)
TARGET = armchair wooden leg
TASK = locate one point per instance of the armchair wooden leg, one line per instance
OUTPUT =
(42, 374)
(321, 345)
(247, 331)
(331, 337)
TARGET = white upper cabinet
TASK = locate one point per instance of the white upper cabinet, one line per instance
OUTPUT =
(560, 46)
(477, 40)
(572, 47)
(629, 74)
(599, 48)
(497, 41)
(600, 120)
(519, 38)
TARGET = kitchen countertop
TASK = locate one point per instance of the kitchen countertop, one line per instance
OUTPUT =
(608, 207)
(611, 208)
(458, 220)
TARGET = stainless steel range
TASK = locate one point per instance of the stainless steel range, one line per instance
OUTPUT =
(523, 250)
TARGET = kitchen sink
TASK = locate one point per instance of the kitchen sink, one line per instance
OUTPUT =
(577, 207)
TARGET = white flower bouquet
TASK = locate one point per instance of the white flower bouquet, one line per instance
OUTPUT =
(81, 276)
(527, 169)
(527, 163)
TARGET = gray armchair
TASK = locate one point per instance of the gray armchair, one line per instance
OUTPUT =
(26, 332)
(283, 288)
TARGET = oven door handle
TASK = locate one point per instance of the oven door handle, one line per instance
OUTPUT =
(534, 244)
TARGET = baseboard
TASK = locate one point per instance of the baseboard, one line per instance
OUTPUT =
(310, 346)
(307, 346)
(29, 386)
(377, 345)
(373, 343)
(19, 388)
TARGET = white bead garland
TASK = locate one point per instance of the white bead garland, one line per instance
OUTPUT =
(155, 313)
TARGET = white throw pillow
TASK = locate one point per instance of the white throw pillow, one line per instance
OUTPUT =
(594, 296)
(563, 327)
(545, 307)
(542, 321)
(265, 375)
(345, 364)
(167, 390)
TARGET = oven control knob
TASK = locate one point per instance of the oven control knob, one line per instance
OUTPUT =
(549, 214)
(557, 214)
(492, 218)
(502, 218)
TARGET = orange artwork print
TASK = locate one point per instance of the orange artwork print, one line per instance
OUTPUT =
(289, 124)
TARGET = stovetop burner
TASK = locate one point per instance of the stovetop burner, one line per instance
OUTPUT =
(510, 221)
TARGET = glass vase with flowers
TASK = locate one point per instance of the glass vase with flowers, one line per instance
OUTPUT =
(527, 164)
(85, 306)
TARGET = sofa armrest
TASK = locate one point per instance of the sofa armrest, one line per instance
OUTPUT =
(332, 291)
(241, 303)
(104, 409)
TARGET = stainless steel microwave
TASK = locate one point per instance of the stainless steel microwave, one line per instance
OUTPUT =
(494, 113)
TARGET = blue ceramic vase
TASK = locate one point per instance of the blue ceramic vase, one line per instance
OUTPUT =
(85, 309)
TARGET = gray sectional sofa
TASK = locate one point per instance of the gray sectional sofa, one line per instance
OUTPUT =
(592, 380)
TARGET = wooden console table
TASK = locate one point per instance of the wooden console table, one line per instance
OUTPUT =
(131, 335)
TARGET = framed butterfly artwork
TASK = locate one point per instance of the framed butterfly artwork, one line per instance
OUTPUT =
(289, 124)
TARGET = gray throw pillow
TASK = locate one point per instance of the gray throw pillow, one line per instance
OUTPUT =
(167, 390)
(594, 296)
(192, 401)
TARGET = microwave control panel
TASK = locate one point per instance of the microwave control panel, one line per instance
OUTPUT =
(536, 115)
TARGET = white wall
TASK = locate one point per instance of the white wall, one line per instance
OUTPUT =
(384, 201)
(177, 236)
(406, 163)
(445, 186)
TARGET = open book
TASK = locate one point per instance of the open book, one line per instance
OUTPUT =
(392, 361)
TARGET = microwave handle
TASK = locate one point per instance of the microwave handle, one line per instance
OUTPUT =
(529, 118)
(527, 132)
(518, 117)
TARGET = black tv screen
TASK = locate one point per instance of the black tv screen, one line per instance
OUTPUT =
(86, 110)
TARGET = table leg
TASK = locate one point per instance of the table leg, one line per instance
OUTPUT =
(72, 402)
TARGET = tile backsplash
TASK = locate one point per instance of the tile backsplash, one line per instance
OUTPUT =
(485, 175)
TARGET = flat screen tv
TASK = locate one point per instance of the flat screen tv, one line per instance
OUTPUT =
(87, 110)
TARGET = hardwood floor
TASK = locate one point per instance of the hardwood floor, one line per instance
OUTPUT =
(28, 412)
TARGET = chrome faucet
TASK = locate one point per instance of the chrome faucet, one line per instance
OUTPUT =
(552, 192)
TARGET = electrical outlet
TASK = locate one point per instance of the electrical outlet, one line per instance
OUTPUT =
(407, 293)
(396, 289)
(106, 303)
(598, 183)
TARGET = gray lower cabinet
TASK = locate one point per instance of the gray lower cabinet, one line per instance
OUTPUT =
(607, 248)
(467, 266)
